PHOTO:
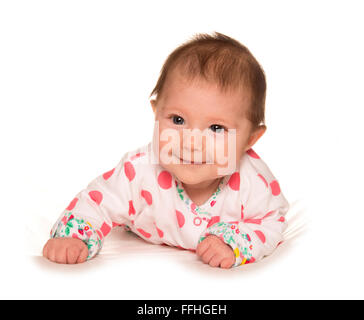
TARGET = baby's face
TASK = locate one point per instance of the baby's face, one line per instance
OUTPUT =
(212, 115)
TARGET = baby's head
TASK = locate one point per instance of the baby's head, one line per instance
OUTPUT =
(211, 84)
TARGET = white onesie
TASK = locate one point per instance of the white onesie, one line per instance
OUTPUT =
(246, 211)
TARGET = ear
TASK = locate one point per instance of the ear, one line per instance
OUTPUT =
(255, 136)
(154, 105)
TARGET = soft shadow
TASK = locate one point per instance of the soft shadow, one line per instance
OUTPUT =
(47, 265)
(121, 244)
(297, 226)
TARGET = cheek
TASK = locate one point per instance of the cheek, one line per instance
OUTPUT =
(168, 140)
(221, 146)
(227, 145)
(229, 151)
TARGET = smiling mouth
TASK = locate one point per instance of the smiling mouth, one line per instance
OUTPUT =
(192, 162)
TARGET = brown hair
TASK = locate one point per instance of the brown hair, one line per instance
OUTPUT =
(223, 60)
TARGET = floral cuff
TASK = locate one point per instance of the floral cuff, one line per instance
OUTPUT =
(71, 226)
(231, 235)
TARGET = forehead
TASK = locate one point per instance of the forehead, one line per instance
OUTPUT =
(198, 94)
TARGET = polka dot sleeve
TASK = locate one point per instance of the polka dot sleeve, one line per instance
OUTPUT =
(257, 228)
(106, 202)
(250, 239)
(263, 207)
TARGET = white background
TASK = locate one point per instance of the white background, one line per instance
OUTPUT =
(75, 79)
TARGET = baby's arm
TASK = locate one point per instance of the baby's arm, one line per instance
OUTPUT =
(79, 232)
(249, 240)
(255, 232)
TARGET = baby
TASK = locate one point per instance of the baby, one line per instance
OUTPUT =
(198, 185)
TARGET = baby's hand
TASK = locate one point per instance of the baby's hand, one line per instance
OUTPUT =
(215, 252)
(65, 250)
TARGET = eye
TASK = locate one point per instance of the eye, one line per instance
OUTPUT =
(217, 128)
(177, 119)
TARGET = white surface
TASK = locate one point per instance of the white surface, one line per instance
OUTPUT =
(74, 83)
(147, 271)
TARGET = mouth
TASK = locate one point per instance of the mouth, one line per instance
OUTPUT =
(192, 162)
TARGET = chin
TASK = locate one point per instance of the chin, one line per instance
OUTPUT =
(190, 180)
(192, 176)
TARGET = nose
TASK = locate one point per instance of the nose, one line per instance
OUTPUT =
(192, 138)
(193, 145)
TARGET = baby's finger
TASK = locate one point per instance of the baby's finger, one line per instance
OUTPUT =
(51, 254)
(215, 260)
(206, 257)
(45, 250)
(227, 263)
(72, 254)
(83, 255)
(202, 247)
(61, 255)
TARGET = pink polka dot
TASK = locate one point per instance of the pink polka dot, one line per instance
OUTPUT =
(252, 153)
(96, 196)
(144, 233)
(212, 203)
(165, 180)
(160, 232)
(147, 196)
(255, 221)
(180, 218)
(105, 229)
(242, 212)
(260, 235)
(281, 219)
(108, 174)
(234, 181)
(72, 204)
(213, 220)
(139, 154)
(268, 214)
(129, 170)
(131, 208)
(276, 190)
(263, 179)
(115, 224)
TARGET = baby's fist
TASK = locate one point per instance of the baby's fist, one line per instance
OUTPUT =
(65, 250)
(215, 252)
